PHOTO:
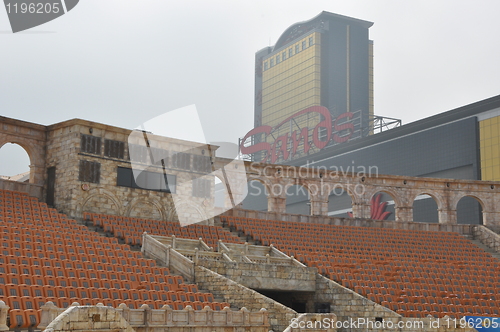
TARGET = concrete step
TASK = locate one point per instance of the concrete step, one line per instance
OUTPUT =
(243, 237)
(492, 252)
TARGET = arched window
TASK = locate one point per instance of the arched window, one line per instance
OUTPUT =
(425, 209)
(469, 211)
(14, 163)
(298, 200)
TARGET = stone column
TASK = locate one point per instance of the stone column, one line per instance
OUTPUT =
(276, 204)
(3, 316)
(404, 213)
(361, 210)
(447, 216)
(319, 207)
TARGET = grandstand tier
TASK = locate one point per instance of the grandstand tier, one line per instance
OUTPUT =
(46, 256)
(415, 273)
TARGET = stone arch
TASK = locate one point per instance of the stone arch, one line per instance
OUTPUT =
(18, 158)
(34, 147)
(220, 194)
(99, 201)
(383, 204)
(257, 195)
(297, 198)
(147, 209)
(469, 209)
(395, 196)
(340, 200)
(425, 209)
(263, 180)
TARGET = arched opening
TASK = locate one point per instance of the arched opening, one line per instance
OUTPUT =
(256, 198)
(382, 206)
(298, 200)
(425, 209)
(15, 163)
(220, 193)
(339, 203)
(469, 211)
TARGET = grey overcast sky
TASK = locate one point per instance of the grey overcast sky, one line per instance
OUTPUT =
(123, 62)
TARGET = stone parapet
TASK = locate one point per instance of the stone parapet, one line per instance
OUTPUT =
(487, 237)
(360, 222)
(145, 319)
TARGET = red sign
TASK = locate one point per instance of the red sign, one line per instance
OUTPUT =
(288, 144)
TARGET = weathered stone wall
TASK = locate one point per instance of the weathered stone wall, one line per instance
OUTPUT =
(354, 311)
(313, 323)
(266, 276)
(32, 138)
(75, 197)
(487, 237)
(31, 189)
(241, 296)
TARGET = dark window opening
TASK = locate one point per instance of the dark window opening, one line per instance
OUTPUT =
(114, 149)
(322, 308)
(202, 164)
(146, 180)
(90, 144)
(181, 160)
(90, 171)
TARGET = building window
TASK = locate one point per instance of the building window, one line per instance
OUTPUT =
(272, 62)
(181, 160)
(266, 65)
(90, 171)
(202, 164)
(278, 59)
(297, 50)
(283, 56)
(114, 149)
(146, 180)
(304, 45)
(201, 188)
(90, 144)
(138, 153)
(310, 41)
(290, 52)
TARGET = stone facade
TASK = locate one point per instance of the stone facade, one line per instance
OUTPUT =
(59, 146)
(75, 195)
(280, 316)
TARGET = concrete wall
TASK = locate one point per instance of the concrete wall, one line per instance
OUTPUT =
(241, 296)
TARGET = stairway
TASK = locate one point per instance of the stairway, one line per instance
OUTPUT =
(244, 238)
(492, 252)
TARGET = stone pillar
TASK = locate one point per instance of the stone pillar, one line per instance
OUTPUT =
(319, 207)
(37, 173)
(404, 213)
(360, 210)
(491, 219)
(49, 312)
(3, 316)
(447, 216)
(276, 204)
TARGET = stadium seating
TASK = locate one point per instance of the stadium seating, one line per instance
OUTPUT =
(415, 273)
(131, 229)
(44, 256)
